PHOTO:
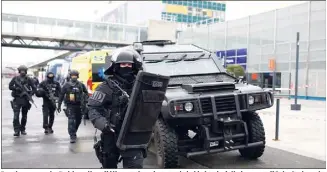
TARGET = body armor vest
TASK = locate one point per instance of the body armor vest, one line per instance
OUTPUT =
(51, 87)
(117, 110)
(74, 93)
(24, 82)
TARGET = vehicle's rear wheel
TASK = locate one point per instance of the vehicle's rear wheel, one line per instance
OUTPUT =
(165, 141)
(256, 134)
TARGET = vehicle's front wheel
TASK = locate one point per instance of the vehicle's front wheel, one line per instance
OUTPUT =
(165, 141)
(256, 134)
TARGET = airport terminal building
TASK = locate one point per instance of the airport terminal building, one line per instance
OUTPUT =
(184, 13)
(251, 42)
(255, 40)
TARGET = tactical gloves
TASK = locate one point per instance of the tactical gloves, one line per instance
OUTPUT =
(108, 128)
(123, 99)
(59, 108)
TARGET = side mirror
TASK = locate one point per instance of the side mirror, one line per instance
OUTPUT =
(242, 79)
(138, 47)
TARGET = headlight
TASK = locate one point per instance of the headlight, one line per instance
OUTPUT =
(251, 100)
(188, 106)
(184, 107)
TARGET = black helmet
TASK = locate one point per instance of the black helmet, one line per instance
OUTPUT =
(124, 55)
(50, 78)
(74, 72)
(49, 73)
(22, 67)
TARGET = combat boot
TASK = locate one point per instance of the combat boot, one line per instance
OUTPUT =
(72, 139)
(46, 131)
(17, 133)
(50, 130)
(23, 132)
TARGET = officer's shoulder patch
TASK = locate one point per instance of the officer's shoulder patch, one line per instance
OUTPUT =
(98, 96)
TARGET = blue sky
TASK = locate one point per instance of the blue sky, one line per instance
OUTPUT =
(89, 10)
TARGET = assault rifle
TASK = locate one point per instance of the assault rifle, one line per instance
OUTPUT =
(50, 95)
(25, 90)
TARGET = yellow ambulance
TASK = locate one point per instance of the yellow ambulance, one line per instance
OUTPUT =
(91, 66)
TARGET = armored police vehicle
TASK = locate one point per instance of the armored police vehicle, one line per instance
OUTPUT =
(205, 109)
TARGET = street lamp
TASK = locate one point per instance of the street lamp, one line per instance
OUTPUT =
(296, 106)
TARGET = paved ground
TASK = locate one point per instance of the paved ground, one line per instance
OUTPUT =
(37, 150)
(302, 132)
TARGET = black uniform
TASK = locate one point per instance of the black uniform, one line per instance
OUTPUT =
(106, 110)
(73, 93)
(49, 90)
(36, 81)
(20, 101)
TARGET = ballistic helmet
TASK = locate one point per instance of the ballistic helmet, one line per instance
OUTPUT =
(74, 72)
(48, 73)
(22, 67)
(124, 55)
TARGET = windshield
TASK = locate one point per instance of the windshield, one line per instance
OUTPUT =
(180, 63)
(98, 72)
(99, 68)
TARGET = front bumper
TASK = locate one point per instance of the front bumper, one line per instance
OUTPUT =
(227, 140)
(211, 151)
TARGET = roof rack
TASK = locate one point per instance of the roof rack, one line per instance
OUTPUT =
(157, 42)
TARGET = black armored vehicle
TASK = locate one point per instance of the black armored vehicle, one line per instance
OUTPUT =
(205, 110)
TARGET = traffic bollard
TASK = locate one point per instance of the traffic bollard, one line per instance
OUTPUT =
(277, 120)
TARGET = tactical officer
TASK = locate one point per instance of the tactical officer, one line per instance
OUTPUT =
(106, 107)
(23, 89)
(49, 90)
(36, 81)
(73, 94)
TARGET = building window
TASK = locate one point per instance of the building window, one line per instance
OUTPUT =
(223, 7)
(198, 10)
(189, 8)
(200, 4)
(204, 13)
(214, 14)
(190, 14)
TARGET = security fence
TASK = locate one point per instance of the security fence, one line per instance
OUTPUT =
(272, 35)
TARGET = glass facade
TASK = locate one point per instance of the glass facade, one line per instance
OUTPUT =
(184, 13)
(188, 18)
(211, 5)
(194, 12)
(272, 35)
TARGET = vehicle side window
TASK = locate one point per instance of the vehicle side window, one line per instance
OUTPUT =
(98, 70)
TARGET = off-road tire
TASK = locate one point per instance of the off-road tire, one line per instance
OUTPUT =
(165, 141)
(256, 133)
